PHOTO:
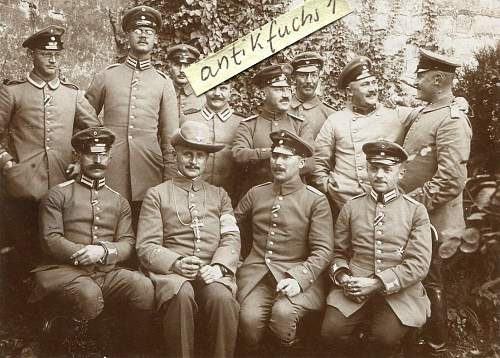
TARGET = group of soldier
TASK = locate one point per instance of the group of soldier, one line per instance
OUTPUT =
(332, 209)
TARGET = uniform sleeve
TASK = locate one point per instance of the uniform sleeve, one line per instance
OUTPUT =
(168, 123)
(52, 228)
(453, 148)
(124, 240)
(343, 240)
(97, 92)
(85, 114)
(243, 214)
(243, 151)
(307, 135)
(416, 257)
(324, 155)
(228, 252)
(320, 245)
(6, 109)
(152, 255)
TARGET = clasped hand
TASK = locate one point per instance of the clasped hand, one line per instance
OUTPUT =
(88, 255)
(359, 288)
(288, 286)
(190, 267)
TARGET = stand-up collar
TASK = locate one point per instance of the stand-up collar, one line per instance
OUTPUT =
(92, 183)
(444, 102)
(39, 83)
(223, 115)
(187, 184)
(307, 104)
(362, 110)
(184, 90)
(272, 116)
(138, 64)
(288, 187)
(386, 197)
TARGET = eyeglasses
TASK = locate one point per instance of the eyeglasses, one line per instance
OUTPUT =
(148, 32)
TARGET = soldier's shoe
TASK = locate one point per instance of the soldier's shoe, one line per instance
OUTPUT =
(60, 334)
(427, 349)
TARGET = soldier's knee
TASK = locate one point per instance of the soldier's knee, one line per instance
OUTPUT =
(222, 297)
(186, 293)
(142, 291)
(89, 300)
(284, 319)
(249, 328)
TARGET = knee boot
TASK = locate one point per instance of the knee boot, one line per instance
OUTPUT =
(436, 330)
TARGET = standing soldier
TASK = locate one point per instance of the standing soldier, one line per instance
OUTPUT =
(179, 57)
(340, 164)
(305, 102)
(381, 255)
(281, 279)
(223, 122)
(438, 143)
(139, 106)
(252, 144)
(189, 244)
(38, 116)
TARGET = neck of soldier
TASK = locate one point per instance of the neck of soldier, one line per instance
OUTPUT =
(303, 97)
(46, 78)
(216, 109)
(139, 55)
(272, 109)
(441, 95)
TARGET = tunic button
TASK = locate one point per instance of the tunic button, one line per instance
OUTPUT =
(95, 236)
(274, 225)
(280, 198)
(95, 227)
(131, 126)
(379, 242)
(378, 270)
(379, 261)
(304, 271)
(276, 123)
(360, 168)
(134, 97)
(48, 139)
(380, 223)
(195, 212)
(129, 137)
(48, 129)
(133, 107)
(47, 147)
(198, 241)
(270, 252)
(198, 250)
(379, 232)
(354, 131)
(311, 281)
(379, 251)
(275, 215)
(271, 243)
(380, 205)
(97, 217)
(268, 260)
(192, 195)
(272, 233)
(132, 117)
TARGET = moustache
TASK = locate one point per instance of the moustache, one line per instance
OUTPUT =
(192, 167)
(97, 166)
(278, 169)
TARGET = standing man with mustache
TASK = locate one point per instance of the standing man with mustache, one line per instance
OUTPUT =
(139, 106)
(281, 279)
(179, 57)
(438, 143)
(340, 164)
(305, 102)
(223, 122)
(189, 244)
(252, 144)
(86, 232)
(38, 116)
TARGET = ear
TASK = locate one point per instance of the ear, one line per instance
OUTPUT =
(348, 91)
(402, 172)
(29, 53)
(302, 163)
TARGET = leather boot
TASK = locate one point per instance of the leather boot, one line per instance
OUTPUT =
(436, 328)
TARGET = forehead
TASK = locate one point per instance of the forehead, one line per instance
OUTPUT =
(375, 165)
(299, 73)
(186, 150)
(143, 28)
(44, 52)
(223, 86)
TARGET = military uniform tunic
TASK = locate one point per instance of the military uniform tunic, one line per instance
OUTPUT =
(313, 111)
(438, 145)
(388, 239)
(219, 169)
(251, 145)
(37, 121)
(139, 107)
(340, 164)
(187, 99)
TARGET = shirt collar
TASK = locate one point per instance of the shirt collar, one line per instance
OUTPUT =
(289, 187)
(364, 111)
(138, 64)
(186, 183)
(39, 83)
(386, 197)
(92, 183)
(272, 116)
(445, 102)
(307, 104)
(223, 115)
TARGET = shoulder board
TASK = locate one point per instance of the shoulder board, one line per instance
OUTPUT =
(263, 184)
(162, 74)
(314, 190)
(191, 111)
(410, 199)
(296, 117)
(250, 118)
(66, 183)
(8, 82)
(358, 196)
(238, 114)
(112, 66)
(328, 105)
(114, 191)
(70, 85)
(456, 111)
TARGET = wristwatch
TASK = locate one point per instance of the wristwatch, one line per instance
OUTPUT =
(224, 270)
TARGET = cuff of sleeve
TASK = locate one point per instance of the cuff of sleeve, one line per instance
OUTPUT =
(264, 153)
(390, 281)
(334, 275)
(4, 158)
(111, 255)
(302, 275)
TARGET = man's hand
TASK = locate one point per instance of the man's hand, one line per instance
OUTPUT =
(210, 273)
(8, 165)
(288, 286)
(88, 255)
(188, 266)
(363, 286)
(72, 170)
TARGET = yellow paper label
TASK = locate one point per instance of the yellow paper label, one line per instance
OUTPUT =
(264, 42)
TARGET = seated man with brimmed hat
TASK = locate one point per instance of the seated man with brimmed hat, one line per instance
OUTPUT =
(281, 279)
(382, 253)
(189, 245)
(86, 233)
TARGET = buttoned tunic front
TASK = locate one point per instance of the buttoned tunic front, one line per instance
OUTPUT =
(219, 169)
(171, 214)
(139, 107)
(438, 145)
(73, 215)
(313, 111)
(340, 164)
(37, 121)
(251, 144)
(187, 99)
(390, 240)
(292, 232)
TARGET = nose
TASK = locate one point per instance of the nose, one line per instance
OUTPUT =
(182, 67)
(52, 58)
(379, 173)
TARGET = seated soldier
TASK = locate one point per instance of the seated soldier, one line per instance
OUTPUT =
(281, 279)
(189, 244)
(86, 231)
(382, 253)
